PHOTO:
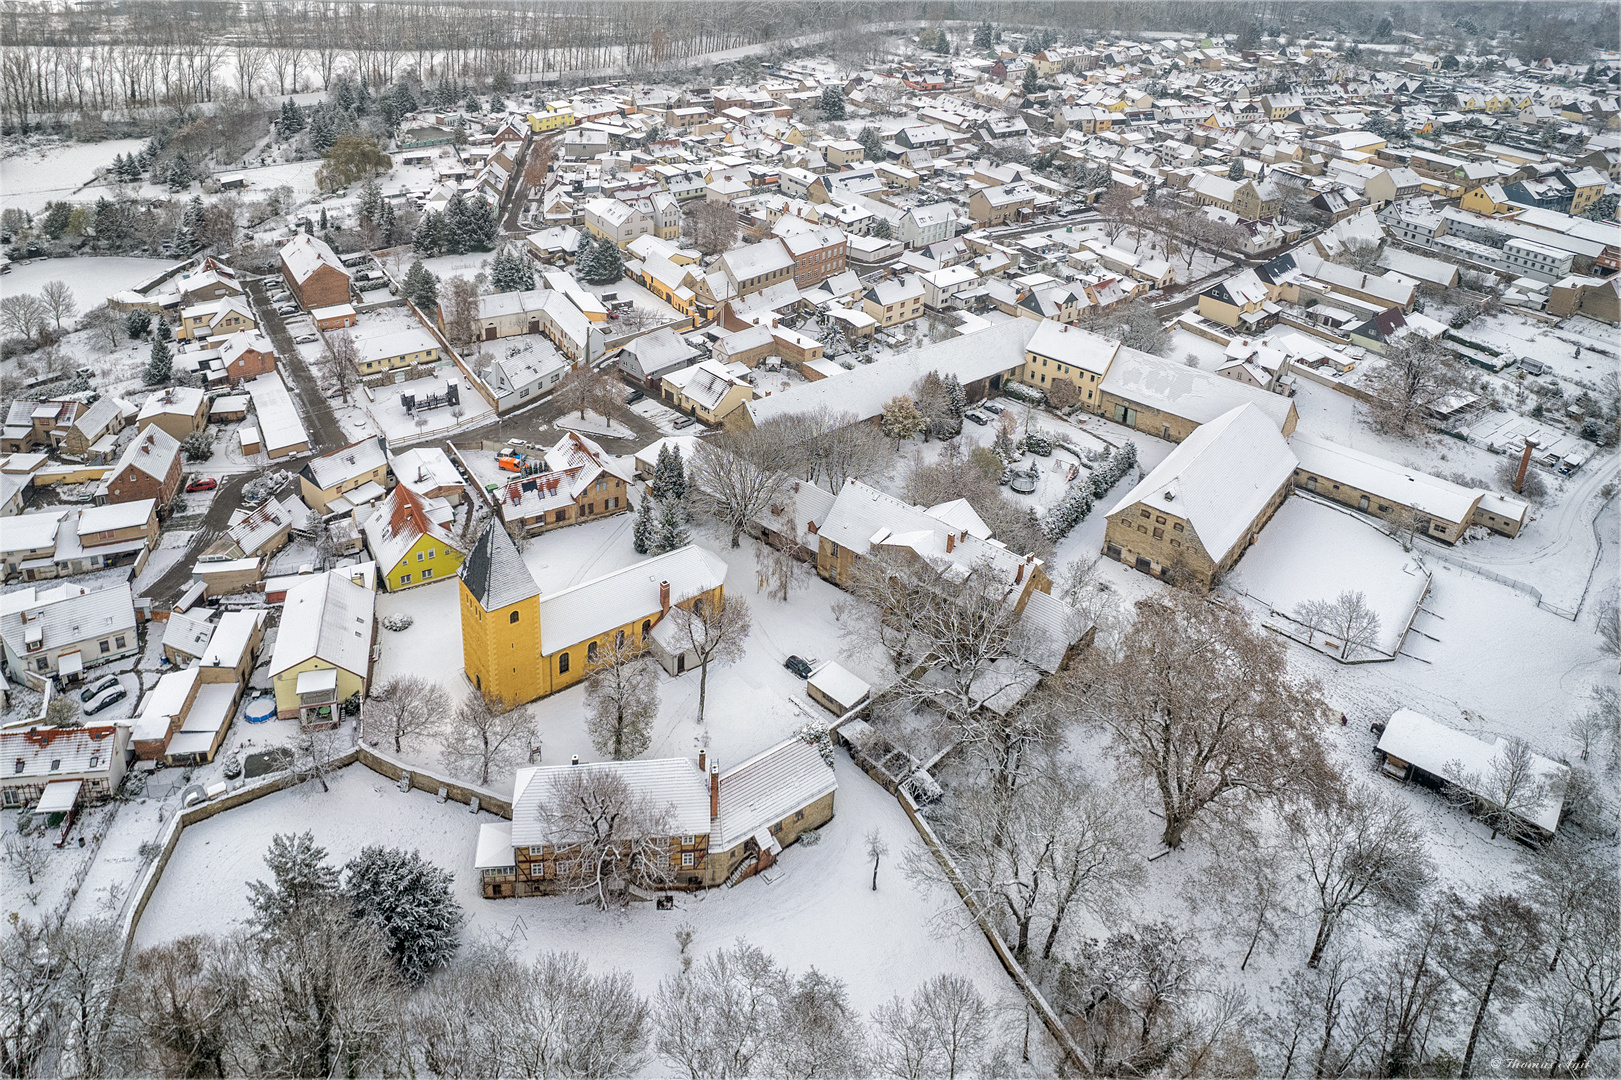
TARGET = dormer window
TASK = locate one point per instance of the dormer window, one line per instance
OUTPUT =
(56, 764)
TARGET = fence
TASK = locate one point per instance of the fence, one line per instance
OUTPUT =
(376, 760)
(1032, 994)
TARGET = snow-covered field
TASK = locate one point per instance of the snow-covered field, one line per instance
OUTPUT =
(1309, 551)
(92, 279)
(39, 173)
(816, 908)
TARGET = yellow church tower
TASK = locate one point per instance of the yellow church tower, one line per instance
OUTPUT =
(500, 620)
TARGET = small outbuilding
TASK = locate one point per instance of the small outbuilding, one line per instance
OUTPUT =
(837, 689)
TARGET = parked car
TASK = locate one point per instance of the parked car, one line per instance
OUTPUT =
(684, 422)
(203, 483)
(106, 684)
(304, 340)
(633, 397)
(112, 698)
(993, 408)
(799, 666)
(976, 418)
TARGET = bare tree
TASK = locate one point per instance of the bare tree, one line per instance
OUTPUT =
(716, 1019)
(1360, 850)
(710, 227)
(490, 1014)
(30, 856)
(1201, 705)
(1607, 622)
(485, 733)
(612, 841)
(1408, 996)
(1361, 255)
(1580, 1023)
(1508, 795)
(179, 1005)
(1599, 725)
(59, 302)
(458, 306)
(621, 697)
(1317, 1022)
(1249, 882)
(88, 964)
(1347, 617)
(1131, 995)
(342, 361)
(1415, 374)
(876, 850)
(716, 632)
(314, 749)
(941, 1031)
(24, 315)
(588, 390)
(831, 447)
(739, 474)
(778, 567)
(108, 323)
(1489, 956)
(404, 709)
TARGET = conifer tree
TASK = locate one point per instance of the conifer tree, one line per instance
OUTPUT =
(1235, 171)
(300, 876)
(672, 528)
(160, 364)
(644, 533)
(669, 475)
(832, 103)
(607, 265)
(511, 271)
(409, 899)
(189, 240)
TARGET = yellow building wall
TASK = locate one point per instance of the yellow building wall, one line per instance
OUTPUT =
(499, 655)
(286, 685)
(502, 658)
(444, 562)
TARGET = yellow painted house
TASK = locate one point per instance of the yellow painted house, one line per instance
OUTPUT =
(410, 538)
(323, 649)
(555, 116)
(1487, 199)
(519, 645)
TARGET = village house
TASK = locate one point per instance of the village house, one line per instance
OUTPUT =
(358, 473)
(753, 267)
(571, 482)
(81, 765)
(1001, 203)
(323, 653)
(247, 356)
(149, 468)
(403, 348)
(709, 389)
(894, 300)
(1060, 352)
(818, 251)
(177, 410)
(519, 645)
(410, 538)
(314, 273)
(1195, 514)
(725, 826)
(216, 318)
(428, 471)
(63, 629)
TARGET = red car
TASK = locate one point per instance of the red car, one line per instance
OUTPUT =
(207, 483)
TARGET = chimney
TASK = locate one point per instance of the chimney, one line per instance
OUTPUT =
(714, 792)
(664, 597)
(576, 760)
(951, 542)
(702, 754)
(1018, 575)
(1525, 463)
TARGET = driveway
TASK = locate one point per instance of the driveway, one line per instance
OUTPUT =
(167, 588)
(326, 434)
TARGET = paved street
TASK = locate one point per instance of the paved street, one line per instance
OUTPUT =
(319, 419)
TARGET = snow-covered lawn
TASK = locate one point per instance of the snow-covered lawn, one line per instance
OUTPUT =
(815, 908)
(92, 279)
(34, 175)
(594, 424)
(1309, 551)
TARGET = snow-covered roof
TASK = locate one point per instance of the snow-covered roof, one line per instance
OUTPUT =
(72, 750)
(304, 254)
(767, 788)
(423, 468)
(1071, 345)
(328, 617)
(346, 463)
(839, 683)
(63, 615)
(1385, 479)
(1183, 391)
(623, 596)
(1219, 478)
(1435, 747)
(152, 452)
(495, 573)
(187, 633)
(231, 638)
(672, 784)
(403, 518)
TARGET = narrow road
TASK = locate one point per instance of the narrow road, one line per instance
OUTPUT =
(326, 433)
(512, 199)
(168, 587)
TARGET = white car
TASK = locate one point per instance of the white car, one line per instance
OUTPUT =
(305, 340)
